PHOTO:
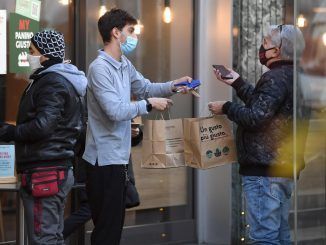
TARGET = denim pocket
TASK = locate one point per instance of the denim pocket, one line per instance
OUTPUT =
(251, 181)
(252, 178)
(253, 193)
(281, 188)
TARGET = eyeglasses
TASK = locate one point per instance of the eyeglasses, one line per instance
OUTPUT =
(280, 27)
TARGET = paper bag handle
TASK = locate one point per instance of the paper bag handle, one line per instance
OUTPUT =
(162, 115)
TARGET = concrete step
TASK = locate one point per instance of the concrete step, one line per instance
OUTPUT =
(314, 175)
(311, 236)
(311, 198)
(309, 218)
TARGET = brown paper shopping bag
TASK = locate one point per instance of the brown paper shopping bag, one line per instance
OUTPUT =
(209, 142)
(163, 145)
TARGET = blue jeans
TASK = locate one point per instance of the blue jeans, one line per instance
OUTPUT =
(268, 201)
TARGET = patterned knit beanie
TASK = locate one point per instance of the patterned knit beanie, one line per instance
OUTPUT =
(50, 43)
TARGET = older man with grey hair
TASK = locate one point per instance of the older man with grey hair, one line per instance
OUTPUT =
(265, 136)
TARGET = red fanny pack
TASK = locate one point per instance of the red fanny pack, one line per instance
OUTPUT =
(43, 182)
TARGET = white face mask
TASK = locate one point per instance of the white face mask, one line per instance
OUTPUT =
(34, 62)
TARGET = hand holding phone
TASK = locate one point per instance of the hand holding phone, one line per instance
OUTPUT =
(225, 73)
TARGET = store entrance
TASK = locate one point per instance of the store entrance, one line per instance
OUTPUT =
(166, 212)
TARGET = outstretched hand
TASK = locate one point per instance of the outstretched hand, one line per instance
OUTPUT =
(226, 81)
(182, 89)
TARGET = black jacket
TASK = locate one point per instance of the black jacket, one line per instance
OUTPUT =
(265, 124)
(48, 123)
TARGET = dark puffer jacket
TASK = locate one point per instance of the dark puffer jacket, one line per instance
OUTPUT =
(265, 123)
(49, 119)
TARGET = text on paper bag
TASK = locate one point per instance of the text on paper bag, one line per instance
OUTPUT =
(212, 132)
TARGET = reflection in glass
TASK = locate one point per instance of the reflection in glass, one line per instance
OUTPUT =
(309, 213)
(164, 52)
(54, 14)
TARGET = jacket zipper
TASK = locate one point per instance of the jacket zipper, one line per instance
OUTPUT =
(42, 183)
(39, 177)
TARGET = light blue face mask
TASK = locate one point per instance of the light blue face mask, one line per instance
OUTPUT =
(129, 45)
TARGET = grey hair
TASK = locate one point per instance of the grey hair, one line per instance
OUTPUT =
(286, 37)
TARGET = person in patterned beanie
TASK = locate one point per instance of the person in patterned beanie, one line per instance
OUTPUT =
(50, 43)
(49, 123)
(50, 46)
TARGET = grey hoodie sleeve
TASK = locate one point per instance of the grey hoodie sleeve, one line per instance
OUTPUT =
(110, 100)
(143, 88)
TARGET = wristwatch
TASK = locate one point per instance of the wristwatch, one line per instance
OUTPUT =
(149, 106)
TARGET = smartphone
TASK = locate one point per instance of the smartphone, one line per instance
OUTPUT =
(226, 74)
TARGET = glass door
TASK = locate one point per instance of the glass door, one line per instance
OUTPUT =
(309, 204)
(58, 15)
(164, 52)
(308, 212)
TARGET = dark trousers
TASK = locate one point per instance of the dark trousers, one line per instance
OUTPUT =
(78, 218)
(106, 190)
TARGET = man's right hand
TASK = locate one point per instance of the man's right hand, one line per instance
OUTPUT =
(160, 104)
(226, 81)
(134, 132)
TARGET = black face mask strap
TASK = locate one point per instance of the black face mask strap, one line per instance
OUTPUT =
(265, 50)
(280, 27)
(50, 62)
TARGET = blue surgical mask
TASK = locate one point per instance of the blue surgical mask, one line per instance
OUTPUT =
(129, 45)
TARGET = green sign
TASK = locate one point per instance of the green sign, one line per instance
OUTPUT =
(21, 31)
(29, 8)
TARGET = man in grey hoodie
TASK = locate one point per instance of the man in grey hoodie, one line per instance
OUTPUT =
(112, 79)
(48, 125)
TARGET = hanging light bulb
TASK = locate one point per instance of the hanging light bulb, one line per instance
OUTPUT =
(138, 27)
(102, 10)
(64, 2)
(235, 31)
(301, 22)
(324, 39)
(167, 14)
